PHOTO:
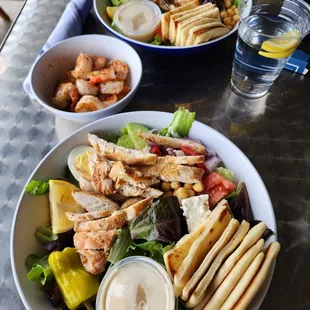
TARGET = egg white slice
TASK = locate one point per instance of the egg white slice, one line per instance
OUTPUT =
(74, 154)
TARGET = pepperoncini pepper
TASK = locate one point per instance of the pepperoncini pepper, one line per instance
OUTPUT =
(75, 283)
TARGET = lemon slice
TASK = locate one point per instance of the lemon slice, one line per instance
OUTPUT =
(111, 11)
(277, 55)
(283, 43)
(61, 201)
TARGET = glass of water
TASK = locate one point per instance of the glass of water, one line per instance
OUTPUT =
(269, 32)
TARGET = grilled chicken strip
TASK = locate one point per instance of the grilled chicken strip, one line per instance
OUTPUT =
(173, 142)
(118, 153)
(132, 191)
(100, 176)
(94, 261)
(95, 240)
(172, 172)
(181, 160)
(82, 217)
(130, 201)
(86, 185)
(133, 177)
(116, 220)
(94, 202)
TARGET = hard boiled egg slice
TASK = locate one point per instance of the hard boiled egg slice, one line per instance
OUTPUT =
(78, 161)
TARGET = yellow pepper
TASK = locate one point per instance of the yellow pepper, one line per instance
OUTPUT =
(75, 283)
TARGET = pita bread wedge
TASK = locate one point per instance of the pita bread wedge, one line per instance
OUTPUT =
(185, 26)
(233, 277)
(176, 18)
(260, 277)
(251, 238)
(205, 36)
(198, 30)
(165, 18)
(197, 298)
(226, 236)
(219, 219)
(243, 283)
(174, 257)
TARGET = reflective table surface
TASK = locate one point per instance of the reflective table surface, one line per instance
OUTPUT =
(274, 132)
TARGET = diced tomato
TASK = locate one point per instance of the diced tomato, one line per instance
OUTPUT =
(188, 150)
(157, 31)
(155, 150)
(217, 188)
(202, 166)
(212, 180)
(217, 194)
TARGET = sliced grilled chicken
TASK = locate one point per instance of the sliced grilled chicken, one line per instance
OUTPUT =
(116, 220)
(86, 185)
(133, 177)
(181, 160)
(94, 261)
(95, 240)
(94, 202)
(132, 191)
(118, 153)
(170, 172)
(130, 201)
(100, 176)
(173, 142)
(82, 217)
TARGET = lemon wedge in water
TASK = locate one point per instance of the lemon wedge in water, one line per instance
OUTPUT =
(62, 201)
(282, 46)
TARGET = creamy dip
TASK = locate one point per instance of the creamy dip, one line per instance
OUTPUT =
(138, 19)
(136, 285)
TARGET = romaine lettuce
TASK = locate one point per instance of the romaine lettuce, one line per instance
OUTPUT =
(37, 188)
(39, 269)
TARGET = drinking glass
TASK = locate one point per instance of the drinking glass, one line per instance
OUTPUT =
(269, 32)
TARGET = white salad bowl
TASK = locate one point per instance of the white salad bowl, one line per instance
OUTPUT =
(33, 211)
(62, 57)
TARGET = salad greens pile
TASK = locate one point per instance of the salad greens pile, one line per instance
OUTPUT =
(37, 188)
(151, 233)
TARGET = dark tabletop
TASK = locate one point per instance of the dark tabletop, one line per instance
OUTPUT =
(274, 132)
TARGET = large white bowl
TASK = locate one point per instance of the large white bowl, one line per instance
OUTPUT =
(62, 57)
(33, 211)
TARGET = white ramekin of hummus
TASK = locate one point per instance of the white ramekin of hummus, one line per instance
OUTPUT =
(136, 282)
(138, 19)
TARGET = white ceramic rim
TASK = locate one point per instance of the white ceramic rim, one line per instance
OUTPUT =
(51, 108)
(163, 47)
(128, 114)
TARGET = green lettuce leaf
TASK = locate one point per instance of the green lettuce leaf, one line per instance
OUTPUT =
(161, 221)
(45, 234)
(39, 269)
(120, 246)
(225, 173)
(180, 125)
(157, 40)
(37, 188)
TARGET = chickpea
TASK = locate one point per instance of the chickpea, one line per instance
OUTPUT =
(227, 4)
(227, 21)
(230, 12)
(236, 11)
(188, 186)
(233, 23)
(198, 187)
(181, 193)
(235, 18)
(165, 186)
(175, 185)
(223, 14)
(233, 7)
(166, 194)
(190, 193)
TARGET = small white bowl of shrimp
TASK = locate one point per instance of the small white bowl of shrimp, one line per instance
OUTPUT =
(87, 77)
